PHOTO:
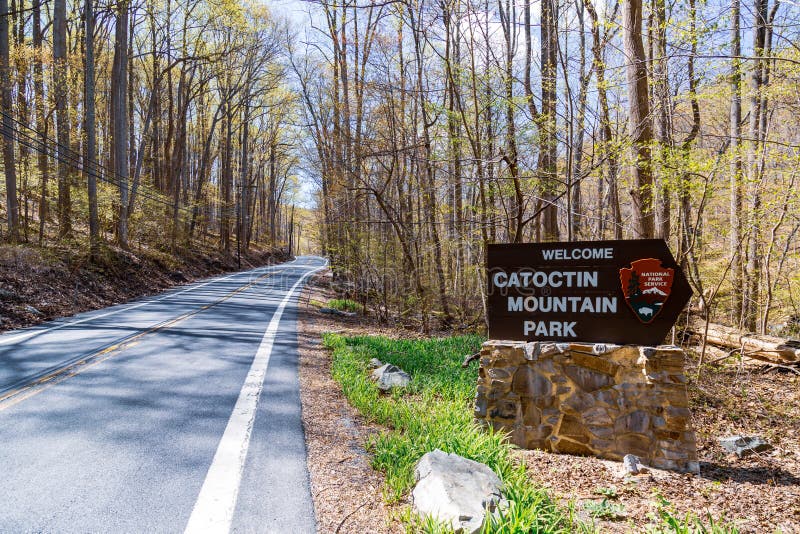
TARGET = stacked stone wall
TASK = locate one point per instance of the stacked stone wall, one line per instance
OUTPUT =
(589, 399)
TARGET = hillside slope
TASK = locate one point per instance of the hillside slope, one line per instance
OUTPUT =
(40, 284)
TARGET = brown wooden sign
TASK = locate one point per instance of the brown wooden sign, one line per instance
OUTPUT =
(629, 291)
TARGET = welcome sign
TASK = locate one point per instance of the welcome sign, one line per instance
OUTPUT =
(627, 291)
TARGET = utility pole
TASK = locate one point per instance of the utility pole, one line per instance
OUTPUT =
(239, 230)
(291, 232)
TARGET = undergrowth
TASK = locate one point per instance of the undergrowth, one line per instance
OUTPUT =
(345, 305)
(435, 412)
(668, 521)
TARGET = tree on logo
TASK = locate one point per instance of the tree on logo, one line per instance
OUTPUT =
(633, 284)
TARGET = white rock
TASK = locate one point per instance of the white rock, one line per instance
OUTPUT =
(745, 445)
(334, 311)
(390, 376)
(455, 490)
(632, 465)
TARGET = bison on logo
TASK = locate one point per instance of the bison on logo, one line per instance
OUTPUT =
(646, 286)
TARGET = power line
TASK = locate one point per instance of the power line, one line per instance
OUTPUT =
(18, 11)
(45, 145)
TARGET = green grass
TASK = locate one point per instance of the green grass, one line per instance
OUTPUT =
(345, 305)
(435, 412)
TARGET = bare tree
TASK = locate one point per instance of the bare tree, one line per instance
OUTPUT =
(89, 127)
(735, 128)
(639, 122)
(62, 116)
(12, 202)
(119, 107)
(548, 143)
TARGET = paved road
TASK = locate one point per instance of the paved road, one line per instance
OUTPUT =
(175, 413)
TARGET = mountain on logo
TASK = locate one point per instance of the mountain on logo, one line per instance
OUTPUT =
(654, 291)
(642, 285)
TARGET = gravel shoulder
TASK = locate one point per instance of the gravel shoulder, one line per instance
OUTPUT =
(347, 492)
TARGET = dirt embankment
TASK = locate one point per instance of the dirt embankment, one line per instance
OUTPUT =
(40, 284)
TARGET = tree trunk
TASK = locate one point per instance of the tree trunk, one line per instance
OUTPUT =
(227, 180)
(576, 201)
(202, 173)
(177, 168)
(22, 108)
(89, 129)
(689, 239)
(62, 115)
(607, 150)
(662, 114)
(244, 179)
(639, 126)
(751, 289)
(548, 142)
(429, 182)
(119, 105)
(41, 116)
(761, 347)
(735, 128)
(12, 204)
(508, 19)
(272, 207)
(139, 155)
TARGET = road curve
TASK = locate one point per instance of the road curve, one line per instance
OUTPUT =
(174, 413)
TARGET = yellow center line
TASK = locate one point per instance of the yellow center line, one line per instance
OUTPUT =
(35, 387)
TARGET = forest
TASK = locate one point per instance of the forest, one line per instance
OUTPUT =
(426, 129)
(439, 127)
(146, 124)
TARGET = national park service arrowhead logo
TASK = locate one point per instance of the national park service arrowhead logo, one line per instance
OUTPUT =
(646, 286)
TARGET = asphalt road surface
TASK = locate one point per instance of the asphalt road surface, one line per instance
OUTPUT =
(174, 413)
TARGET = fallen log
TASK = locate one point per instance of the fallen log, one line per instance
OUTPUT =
(765, 348)
(470, 358)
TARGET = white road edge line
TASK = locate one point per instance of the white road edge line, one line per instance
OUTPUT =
(215, 505)
(34, 331)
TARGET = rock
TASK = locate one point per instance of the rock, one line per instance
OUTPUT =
(390, 376)
(374, 363)
(8, 296)
(744, 445)
(602, 348)
(178, 276)
(593, 399)
(31, 309)
(340, 313)
(648, 352)
(631, 465)
(455, 490)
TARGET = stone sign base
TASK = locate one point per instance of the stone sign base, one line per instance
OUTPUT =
(590, 399)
